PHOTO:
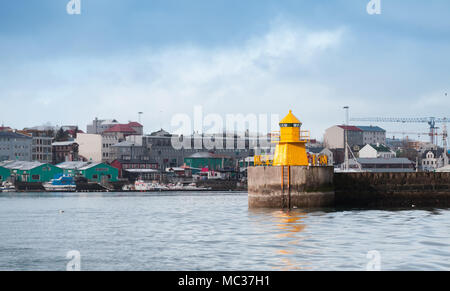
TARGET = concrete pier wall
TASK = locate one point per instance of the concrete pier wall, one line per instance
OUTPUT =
(392, 189)
(320, 187)
(307, 187)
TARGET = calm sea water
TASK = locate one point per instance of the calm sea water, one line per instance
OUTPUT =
(211, 231)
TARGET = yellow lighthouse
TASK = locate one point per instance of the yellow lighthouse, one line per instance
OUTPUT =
(291, 150)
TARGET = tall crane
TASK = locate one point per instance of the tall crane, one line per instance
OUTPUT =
(432, 121)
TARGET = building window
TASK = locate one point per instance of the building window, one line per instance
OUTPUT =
(35, 177)
(94, 177)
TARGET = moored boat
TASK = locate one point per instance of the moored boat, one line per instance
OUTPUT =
(61, 184)
(7, 187)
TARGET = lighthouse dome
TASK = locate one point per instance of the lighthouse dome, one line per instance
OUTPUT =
(290, 121)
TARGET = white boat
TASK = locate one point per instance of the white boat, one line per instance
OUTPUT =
(190, 187)
(7, 187)
(140, 185)
(61, 184)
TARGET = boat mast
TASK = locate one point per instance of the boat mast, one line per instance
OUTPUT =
(346, 163)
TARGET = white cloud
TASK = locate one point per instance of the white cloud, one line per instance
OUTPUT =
(268, 73)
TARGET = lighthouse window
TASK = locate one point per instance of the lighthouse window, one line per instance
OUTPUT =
(290, 125)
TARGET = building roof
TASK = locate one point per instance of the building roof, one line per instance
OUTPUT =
(382, 161)
(437, 153)
(160, 132)
(21, 165)
(10, 134)
(142, 170)
(135, 161)
(315, 150)
(290, 119)
(380, 148)
(90, 165)
(125, 128)
(371, 128)
(72, 165)
(72, 131)
(350, 128)
(134, 124)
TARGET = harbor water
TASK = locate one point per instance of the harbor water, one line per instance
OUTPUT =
(212, 231)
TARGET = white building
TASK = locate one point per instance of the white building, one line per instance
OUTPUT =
(373, 135)
(334, 137)
(90, 146)
(432, 160)
(98, 126)
(376, 151)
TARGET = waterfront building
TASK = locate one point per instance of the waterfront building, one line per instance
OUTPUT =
(4, 174)
(376, 151)
(160, 146)
(70, 168)
(136, 166)
(93, 172)
(208, 160)
(99, 172)
(15, 146)
(381, 165)
(65, 151)
(25, 171)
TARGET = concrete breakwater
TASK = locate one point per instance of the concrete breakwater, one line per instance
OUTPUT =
(423, 189)
(306, 187)
(286, 187)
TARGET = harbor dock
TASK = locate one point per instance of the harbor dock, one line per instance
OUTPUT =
(291, 182)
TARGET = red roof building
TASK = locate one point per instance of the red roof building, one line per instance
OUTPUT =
(350, 128)
(5, 128)
(123, 128)
(135, 124)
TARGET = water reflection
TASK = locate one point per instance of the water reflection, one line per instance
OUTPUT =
(286, 228)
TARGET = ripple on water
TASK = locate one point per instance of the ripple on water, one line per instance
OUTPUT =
(204, 231)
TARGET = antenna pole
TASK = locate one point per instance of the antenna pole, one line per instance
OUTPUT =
(346, 163)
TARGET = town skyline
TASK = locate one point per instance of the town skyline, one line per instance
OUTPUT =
(267, 58)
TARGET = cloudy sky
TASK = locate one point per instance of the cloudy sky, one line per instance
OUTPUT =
(230, 56)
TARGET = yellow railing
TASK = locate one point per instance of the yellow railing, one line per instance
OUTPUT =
(263, 160)
(305, 136)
